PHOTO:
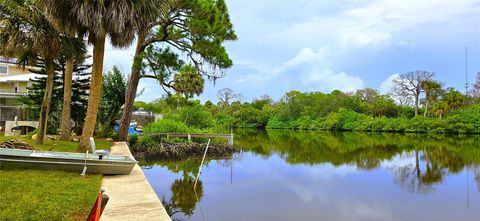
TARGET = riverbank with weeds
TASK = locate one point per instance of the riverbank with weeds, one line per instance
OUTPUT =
(48, 194)
(180, 150)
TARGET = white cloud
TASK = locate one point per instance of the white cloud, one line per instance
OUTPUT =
(313, 71)
(387, 85)
(306, 55)
(362, 38)
(277, 46)
(377, 23)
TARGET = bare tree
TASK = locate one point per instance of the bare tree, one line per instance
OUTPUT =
(400, 96)
(410, 84)
(227, 95)
(265, 97)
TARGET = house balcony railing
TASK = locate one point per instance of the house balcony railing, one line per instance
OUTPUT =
(9, 94)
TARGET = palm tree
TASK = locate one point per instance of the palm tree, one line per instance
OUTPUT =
(115, 19)
(453, 98)
(439, 108)
(188, 81)
(71, 28)
(26, 34)
(432, 90)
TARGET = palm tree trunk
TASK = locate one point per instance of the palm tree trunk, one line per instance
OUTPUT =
(95, 92)
(427, 161)
(416, 104)
(132, 90)
(426, 107)
(417, 164)
(67, 101)
(42, 127)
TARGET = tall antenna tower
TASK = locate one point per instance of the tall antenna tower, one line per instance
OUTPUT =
(466, 71)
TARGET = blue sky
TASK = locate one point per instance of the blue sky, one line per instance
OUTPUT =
(347, 45)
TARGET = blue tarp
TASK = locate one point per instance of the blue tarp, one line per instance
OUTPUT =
(131, 130)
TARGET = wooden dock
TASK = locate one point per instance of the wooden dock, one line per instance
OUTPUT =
(131, 196)
(189, 136)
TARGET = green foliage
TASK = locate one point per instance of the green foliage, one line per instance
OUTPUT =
(276, 123)
(337, 111)
(195, 116)
(225, 120)
(163, 126)
(114, 87)
(166, 126)
(188, 81)
(196, 30)
(253, 115)
(454, 98)
(133, 140)
(465, 120)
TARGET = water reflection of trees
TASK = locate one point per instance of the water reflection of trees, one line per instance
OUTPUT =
(184, 198)
(435, 155)
(183, 194)
(416, 179)
(477, 176)
(366, 150)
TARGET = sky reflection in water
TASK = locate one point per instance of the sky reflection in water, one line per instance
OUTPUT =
(287, 175)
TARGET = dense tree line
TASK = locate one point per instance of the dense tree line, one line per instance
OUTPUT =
(444, 110)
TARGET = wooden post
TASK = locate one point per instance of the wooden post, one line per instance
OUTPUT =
(230, 140)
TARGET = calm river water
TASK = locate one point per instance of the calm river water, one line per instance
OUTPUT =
(315, 175)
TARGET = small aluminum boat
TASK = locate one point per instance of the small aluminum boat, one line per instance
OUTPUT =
(109, 164)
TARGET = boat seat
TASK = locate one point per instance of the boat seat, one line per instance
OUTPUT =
(100, 153)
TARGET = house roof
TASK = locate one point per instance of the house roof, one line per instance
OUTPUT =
(13, 62)
(20, 77)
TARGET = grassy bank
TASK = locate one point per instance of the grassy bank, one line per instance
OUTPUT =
(48, 195)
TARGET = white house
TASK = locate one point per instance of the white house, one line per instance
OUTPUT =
(14, 81)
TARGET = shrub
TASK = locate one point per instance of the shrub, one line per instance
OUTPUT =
(133, 140)
(166, 126)
(277, 123)
(225, 120)
(196, 116)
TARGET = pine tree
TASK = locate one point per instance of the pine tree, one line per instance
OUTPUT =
(80, 85)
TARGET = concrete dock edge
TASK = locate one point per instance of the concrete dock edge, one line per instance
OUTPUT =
(131, 196)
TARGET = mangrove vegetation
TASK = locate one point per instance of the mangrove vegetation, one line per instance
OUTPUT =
(444, 110)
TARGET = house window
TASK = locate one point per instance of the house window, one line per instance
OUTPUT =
(3, 70)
